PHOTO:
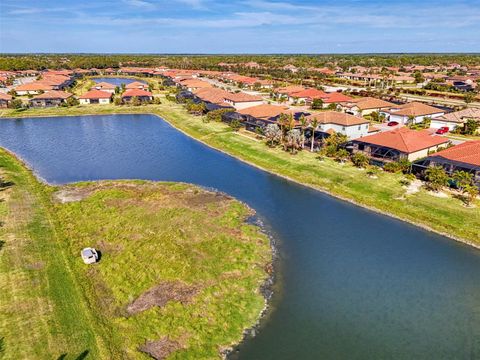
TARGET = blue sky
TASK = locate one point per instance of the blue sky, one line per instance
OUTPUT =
(239, 26)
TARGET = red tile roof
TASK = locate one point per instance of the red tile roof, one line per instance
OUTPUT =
(242, 97)
(104, 85)
(136, 92)
(467, 153)
(336, 97)
(264, 111)
(310, 94)
(96, 94)
(6, 97)
(405, 140)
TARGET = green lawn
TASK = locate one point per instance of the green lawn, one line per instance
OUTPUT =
(150, 234)
(444, 215)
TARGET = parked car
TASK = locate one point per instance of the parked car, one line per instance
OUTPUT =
(392, 123)
(89, 255)
(443, 130)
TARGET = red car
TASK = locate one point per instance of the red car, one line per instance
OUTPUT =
(392, 123)
(443, 130)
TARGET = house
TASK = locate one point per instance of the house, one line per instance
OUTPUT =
(462, 157)
(142, 95)
(260, 116)
(414, 112)
(365, 106)
(5, 100)
(104, 86)
(137, 85)
(332, 121)
(334, 98)
(456, 119)
(33, 88)
(242, 100)
(307, 96)
(398, 144)
(194, 84)
(50, 98)
(95, 97)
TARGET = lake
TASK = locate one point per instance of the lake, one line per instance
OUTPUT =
(352, 284)
(117, 81)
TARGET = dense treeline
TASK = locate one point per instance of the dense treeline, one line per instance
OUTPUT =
(210, 62)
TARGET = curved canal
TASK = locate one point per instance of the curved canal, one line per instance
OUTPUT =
(352, 284)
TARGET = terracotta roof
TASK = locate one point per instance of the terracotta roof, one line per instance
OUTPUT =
(194, 83)
(335, 117)
(310, 94)
(212, 95)
(405, 140)
(4, 96)
(242, 97)
(414, 109)
(53, 94)
(467, 153)
(369, 103)
(462, 115)
(96, 94)
(34, 86)
(290, 89)
(136, 92)
(264, 111)
(104, 85)
(136, 85)
(336, 97)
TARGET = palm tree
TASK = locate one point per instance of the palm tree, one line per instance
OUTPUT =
(313, 125)
(303, 125)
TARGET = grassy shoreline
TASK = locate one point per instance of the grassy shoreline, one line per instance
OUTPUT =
(70, 309)
(386, 195)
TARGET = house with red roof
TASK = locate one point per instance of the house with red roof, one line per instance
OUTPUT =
(307, 96)
(95, 97)
(50, 98)
(104, 86)
(398, 144)
(142, 95)
(5, 100)
(137, 85)
(462, 157)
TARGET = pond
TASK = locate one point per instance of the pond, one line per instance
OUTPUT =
(352, 284)
(117, 81)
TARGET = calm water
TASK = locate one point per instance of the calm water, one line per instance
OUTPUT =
(353, 284)
(117, 81)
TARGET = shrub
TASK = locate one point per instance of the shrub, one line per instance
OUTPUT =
(360, 160)
(235, 124)
(216, 115)
(436, 178)
(15, 104)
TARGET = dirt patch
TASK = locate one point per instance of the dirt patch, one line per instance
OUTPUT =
(160, 349)
(161, 294)
(413, 187)
(67, 195)
(205, 198)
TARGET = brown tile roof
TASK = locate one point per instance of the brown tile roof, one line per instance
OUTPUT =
(336, 97)
(405, 140)
(194, 83)
(335, 117)
(291, 89)
(104, 85)
(53, 94)
(462, 115)
(242, 97)
(96, 94)
(136, 85)
(414, 109)
(212, 95)
(467, 153)
(369, 103)
(264, 111)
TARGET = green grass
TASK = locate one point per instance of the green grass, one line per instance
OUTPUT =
(53, 304)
